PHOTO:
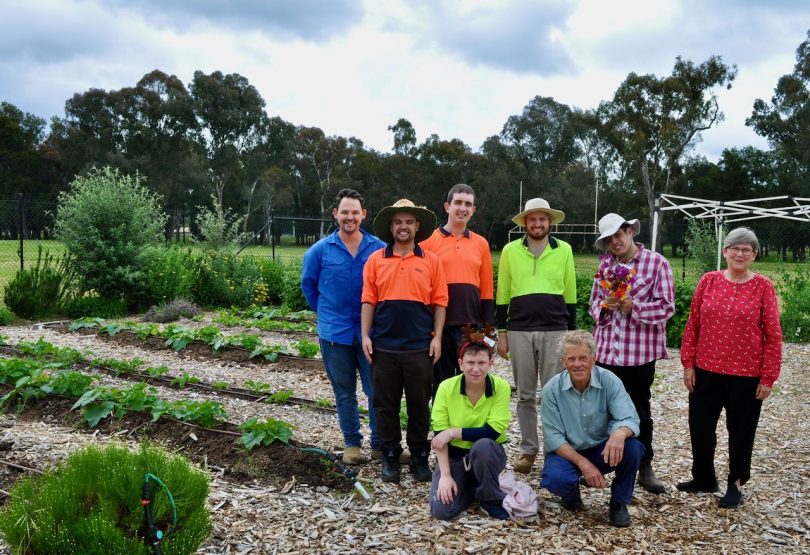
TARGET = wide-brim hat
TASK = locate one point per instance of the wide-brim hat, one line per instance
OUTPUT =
(610, 224)
(539, 205)
(426, 218)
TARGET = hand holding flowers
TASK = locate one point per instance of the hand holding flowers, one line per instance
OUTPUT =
(617, 279)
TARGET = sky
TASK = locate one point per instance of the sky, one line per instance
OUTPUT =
(454, 68)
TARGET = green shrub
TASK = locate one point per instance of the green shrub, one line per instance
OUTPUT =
(684, 291)
(93, 305)
(702, 244)
(584, 286)
(273, 278)
(6, 316)
(168, 273)
(794, 289)
(172, 311)
(225, 280)
(219, 229)
(292, 297)
(105, 220)
(90, 504)
(39, 290)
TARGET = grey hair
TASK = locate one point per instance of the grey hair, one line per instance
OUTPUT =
(576, 337)
(742, 236)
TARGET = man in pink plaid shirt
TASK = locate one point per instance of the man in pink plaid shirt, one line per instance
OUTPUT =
(630, 333)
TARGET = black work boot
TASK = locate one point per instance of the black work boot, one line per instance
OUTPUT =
(390, 466)
(647, 479)
(420, 469)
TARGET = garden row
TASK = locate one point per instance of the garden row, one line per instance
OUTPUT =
(242, 346)
(136, 369)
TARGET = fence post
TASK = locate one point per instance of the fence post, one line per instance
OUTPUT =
(20, 222)
(273, 234)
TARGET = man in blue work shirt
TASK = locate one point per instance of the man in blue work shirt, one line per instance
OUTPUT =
(589, 429)
(332, 282)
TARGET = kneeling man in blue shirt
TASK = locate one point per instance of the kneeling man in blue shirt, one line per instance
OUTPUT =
(589, 429)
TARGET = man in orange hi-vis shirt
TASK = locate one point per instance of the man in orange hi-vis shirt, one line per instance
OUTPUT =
(401, 321)
(468, 268)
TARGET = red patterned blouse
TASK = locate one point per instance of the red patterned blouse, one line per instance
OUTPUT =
(733, 328)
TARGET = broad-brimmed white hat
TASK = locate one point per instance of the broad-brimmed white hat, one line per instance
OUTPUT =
(539, 205)
(610, 224)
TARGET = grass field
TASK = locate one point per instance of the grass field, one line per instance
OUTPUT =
(289, 252)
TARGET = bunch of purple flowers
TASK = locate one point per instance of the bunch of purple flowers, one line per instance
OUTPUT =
(617, 279)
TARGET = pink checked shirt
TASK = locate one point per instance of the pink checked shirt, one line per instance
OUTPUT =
(639, 337)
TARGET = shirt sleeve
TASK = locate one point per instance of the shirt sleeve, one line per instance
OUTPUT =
(772, 334)
(439, 295)
(621, 410)
(487, 286)
(570, 290)
(310, 275)
(504, 288)
(692, 328)
(370, 293)
(662, 305)
(439, 415)
(553, 428)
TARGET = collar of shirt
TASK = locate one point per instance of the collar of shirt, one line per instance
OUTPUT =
(489, 388)
(449, 233)
(417, 251)
(566, 382)
(552, 242)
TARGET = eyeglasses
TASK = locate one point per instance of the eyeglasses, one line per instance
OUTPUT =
(745, 251)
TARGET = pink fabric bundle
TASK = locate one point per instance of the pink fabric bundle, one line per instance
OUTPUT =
(521, 501)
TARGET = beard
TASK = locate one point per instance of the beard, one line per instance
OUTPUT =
(537, 234)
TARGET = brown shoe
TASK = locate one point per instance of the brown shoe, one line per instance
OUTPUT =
(523, 463)
(352, 455)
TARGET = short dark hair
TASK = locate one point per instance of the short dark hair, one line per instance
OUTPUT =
(460, 188)
(475, 347)
(349, 193)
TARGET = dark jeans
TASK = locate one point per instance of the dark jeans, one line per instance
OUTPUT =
(637, 382)
(447, 367)
(343, 363)
(393, 373)
(561, 476)
(486, 461)
(714, 392)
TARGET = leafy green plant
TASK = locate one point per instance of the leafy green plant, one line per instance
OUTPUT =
(264, 432)
(157, 371)
(105, 220)
(258, 387)
(403, 415)
(272, 273)
(701, 244)
(70, 383)
(38, 290)
(684, 291)
(168, 273)
(95, 498)
(88, 322)
(219, 229)
(185, 379)
(125, 366)
(43, 349)
(6, 316)
(205, 413)
(306, 348)
(220, 385)
(291, 295)
(325, 403)
(94, 305)
(225, 280)
(794, 289)
(279, 397)
(178, 337)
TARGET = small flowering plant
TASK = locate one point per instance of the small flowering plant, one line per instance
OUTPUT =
(615, 278)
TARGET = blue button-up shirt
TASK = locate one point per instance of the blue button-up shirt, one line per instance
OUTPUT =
(584, 420)
(332, 282)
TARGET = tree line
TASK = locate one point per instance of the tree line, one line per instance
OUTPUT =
(215, 137)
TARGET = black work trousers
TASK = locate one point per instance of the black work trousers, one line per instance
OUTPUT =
(712, 393)
(637, 382)
(447, 366)
(391, 374)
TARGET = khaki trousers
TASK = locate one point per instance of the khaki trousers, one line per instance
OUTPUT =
(532, 353)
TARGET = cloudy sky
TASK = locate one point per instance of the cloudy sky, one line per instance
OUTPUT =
(456, 68)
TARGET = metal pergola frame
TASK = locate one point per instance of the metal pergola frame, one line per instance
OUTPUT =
(723, 212)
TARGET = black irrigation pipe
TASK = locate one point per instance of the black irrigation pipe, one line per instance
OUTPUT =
(163, 381)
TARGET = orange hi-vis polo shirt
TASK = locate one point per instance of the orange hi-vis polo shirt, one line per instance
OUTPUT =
(468, 269)
(403, 289)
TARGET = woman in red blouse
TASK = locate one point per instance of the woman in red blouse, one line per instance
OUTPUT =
(731, 354)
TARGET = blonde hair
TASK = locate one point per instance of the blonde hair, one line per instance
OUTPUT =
(576, 337)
